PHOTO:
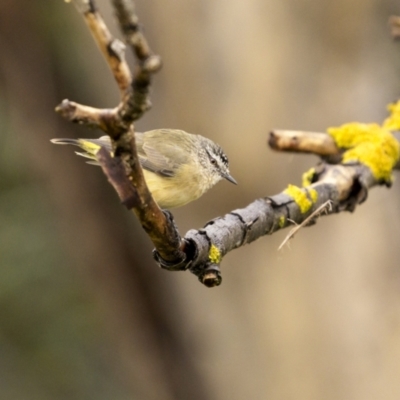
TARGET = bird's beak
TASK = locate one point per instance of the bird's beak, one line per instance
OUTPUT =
(230, 178)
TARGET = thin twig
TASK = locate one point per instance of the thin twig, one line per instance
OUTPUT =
(138, 100)
(303, 142)
(327, 206)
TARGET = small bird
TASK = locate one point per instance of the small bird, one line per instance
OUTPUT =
(178, 167)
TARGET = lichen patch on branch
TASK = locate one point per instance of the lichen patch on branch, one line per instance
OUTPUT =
(214, 254)
(302, 197)
(307, 177)
(369, 144)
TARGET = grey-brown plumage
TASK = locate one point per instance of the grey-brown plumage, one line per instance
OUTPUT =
(178, 167)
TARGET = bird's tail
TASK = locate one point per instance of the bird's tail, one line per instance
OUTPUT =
(90, 147)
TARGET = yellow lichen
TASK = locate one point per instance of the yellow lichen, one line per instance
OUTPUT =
(281, 221)
(392, 122)
(300, 197)
(307, 177)
(370, 144)
(313, 194)
(214, 255)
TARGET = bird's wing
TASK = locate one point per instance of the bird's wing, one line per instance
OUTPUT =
(159, 155)
(160, 151)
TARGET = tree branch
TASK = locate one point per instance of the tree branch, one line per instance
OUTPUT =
(356, 158)
(344, 186)
(321, 144)
(148, 63)
(124, 171)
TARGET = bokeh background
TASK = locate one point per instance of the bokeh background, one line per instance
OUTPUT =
(84, 311)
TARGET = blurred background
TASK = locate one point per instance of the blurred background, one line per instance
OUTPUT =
(84, 311)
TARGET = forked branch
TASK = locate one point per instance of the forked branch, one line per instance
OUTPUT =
(124, 171)
(355, 158)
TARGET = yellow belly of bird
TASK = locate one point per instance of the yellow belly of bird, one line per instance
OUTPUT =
(175, 191)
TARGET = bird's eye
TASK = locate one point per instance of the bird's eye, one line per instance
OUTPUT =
(213, 161)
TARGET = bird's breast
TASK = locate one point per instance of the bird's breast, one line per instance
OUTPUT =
(187, 185)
